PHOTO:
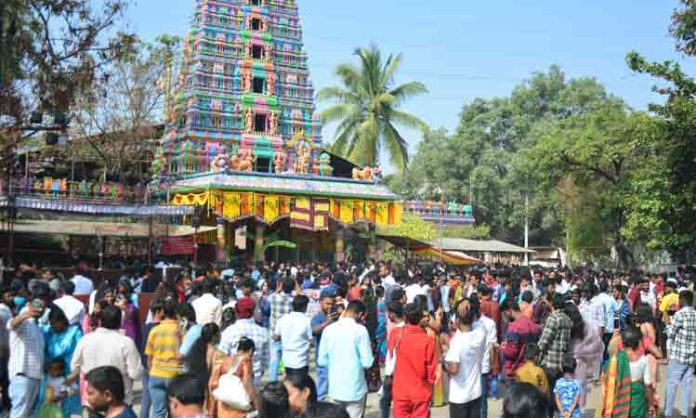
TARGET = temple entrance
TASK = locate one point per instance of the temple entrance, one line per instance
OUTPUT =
(251, 240)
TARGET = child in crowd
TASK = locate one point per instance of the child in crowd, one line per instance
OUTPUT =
(530, 372)
(567, 391)
(57, 392)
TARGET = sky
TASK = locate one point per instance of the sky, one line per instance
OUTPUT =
(464, 49)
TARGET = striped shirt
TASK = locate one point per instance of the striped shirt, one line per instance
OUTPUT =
(26, 349)
(555, 340)
(259, 335)
(682, 336)
(281, 304)
(163, 348)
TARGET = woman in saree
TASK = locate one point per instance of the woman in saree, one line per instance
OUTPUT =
(626, 381)
(130, 324)
(61, 338)
(645, 322)
(586, 346)
(381, 334)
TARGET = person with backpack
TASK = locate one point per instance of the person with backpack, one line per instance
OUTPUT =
(520, 332)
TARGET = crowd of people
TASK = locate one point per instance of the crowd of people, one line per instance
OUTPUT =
(312, 340)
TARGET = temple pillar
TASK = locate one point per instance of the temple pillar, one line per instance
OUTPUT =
(371, 245)
(258, 242)
(340, 244)
(221, 245)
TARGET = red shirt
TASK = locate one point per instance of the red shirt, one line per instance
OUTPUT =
(354, 293)
(491, 309)
(520, 332)
(633, 298)
(414, 374)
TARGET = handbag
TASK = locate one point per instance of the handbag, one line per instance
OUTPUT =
(374, 378)
(231, 391)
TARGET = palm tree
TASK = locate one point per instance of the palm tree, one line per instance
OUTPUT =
(366, 109)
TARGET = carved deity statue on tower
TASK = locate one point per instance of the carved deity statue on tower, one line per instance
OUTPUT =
(246, 81)
(249, 121)
(271, 84)
(272, 124)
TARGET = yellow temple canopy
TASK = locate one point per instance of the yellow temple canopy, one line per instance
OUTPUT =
(305, 212)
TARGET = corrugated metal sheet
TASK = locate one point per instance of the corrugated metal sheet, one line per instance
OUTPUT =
(479, 246)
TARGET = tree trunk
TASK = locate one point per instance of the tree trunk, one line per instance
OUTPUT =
(624, 255)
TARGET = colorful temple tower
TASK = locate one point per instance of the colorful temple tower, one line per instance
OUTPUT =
(245, 92)
(242, 135)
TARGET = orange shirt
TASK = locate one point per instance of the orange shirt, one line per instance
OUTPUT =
(414, 374)
(527, 309)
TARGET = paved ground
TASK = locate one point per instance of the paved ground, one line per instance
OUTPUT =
(495, 406)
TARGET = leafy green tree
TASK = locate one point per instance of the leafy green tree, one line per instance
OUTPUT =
(467, 231)
(488, 161)
(367, 109)
(412, 226)
(663, 205)
(54, 49)
(591, 158)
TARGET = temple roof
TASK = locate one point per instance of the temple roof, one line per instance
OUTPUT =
(291, 184)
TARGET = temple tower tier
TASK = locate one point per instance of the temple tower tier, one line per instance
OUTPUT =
(243, 94)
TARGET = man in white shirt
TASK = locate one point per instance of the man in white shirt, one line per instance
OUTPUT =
(294, 330)
(563, 286)
(74, 309)
(386, 275)
(83, 285)
(106, 346)
(413, 289)
(591, 308)
(648, 296)
(25, 364)
(489, 327)
(609, 304)
(464, 362)
(208, 308)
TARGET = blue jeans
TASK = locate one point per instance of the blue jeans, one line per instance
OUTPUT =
(276, 356)
(322, 382)
(145, 397)
(23, 393)
(484, 395)
(157, 387)
(385, 402)
(678, 374)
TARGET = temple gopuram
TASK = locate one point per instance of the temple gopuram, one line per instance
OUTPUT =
(243, 141)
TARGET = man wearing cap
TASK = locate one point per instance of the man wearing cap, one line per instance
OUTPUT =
(247, 327)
